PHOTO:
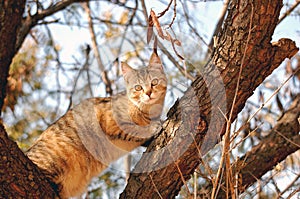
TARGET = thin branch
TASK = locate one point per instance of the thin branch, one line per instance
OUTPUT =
(160, 196)
(104, 76)
(287, 139)
(165, 10)
(225, 154)
(78, 75)
(144, 10)
(273, 94)
(217, 27)
(289, 11)
(188, 20)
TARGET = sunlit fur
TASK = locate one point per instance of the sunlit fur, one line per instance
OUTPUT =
(70, 152)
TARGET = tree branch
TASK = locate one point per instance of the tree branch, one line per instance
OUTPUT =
(289, 11)
(32, 184)
(32, 20)
(282, 140)
(193, 128)
(104, 76)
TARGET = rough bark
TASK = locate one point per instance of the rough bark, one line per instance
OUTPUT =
(11, 16)
(19, 177)
(244, 43)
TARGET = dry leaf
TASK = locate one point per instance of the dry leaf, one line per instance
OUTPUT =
(156, 24)
(155, 45)
(150, 29)
(279, 104)
(177, 42)
(168, 37)
(178, 55)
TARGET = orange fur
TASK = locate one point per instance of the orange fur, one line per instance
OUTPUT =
(83, 142)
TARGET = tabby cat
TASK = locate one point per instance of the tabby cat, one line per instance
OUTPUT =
(84, 141)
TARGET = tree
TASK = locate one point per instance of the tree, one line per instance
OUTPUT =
(242, 59)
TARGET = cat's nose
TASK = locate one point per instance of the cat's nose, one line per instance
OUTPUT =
(148, 92)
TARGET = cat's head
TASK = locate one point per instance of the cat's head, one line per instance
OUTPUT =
(147, 85)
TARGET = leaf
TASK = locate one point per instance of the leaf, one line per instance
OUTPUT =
(279, 104)
(156, 24)
(168, 37)
(177, 42)
(150, 29)
(174, 41)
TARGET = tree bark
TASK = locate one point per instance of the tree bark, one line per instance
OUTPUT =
(244, 54)
(11, 16)
(19, 177)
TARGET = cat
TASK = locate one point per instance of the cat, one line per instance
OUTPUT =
(96, 132)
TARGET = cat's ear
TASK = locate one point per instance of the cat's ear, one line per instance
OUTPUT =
(155, 62)
(125, 68)
(154, 59)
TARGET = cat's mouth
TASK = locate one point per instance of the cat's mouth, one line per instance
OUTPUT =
(148, 99)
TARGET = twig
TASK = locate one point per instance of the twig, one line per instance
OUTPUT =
(172, 59)
(164, 12)
(160, 196)
(127, 26)
(191, 26)
(293, 193)
(104, 77)
(180, 173)
(289, 11)
(289, 140)
(217, 27)
(273, 94)
(78, 75)
(289, 186)
(195, 185)
(225, 156)
(174, 15)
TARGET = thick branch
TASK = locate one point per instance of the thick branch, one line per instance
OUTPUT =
(192, 129)
(283, 140)
(19, 177)
(28, 182)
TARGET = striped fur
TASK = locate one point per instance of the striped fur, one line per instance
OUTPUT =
(84, 141)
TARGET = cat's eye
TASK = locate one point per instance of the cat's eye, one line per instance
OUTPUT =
(154, 82)
(138, 87)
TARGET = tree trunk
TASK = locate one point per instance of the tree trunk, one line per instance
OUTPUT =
(243, 55)
(11, 16)
(19, 177)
